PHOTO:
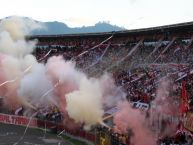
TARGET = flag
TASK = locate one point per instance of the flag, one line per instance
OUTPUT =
(184, 106)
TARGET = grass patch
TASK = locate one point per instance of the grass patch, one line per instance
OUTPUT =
(73, 141)
(48, 133)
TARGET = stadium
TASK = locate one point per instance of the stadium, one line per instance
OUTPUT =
(128, 87)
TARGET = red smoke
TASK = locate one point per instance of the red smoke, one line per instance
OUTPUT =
(56, 70)
(128, 118)
(8, 90)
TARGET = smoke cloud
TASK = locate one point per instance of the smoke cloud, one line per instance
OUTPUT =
(15, 56)
(129, 118)
(111, 93)
(25, 82)
(85, 104)
(18, 27)
(165, 109)
(34, 85)
(159, 122)
(79, 97)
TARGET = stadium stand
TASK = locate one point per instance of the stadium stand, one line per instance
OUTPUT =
(138, 59)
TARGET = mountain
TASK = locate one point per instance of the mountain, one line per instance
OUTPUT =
(61, 28)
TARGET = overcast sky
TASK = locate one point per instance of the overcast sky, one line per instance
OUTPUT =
(126, 13)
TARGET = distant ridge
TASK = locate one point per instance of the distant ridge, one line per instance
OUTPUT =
(54, 28)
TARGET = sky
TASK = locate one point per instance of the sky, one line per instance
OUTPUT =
(130, 14)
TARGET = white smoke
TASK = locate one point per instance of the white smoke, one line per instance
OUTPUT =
(111, 93)
(85, 104)
(34, 85)
(15, 57)
(80, 97)
(18, 27)
(12, 36)
(62, 70)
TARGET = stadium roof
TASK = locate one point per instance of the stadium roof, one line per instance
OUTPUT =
(174, 28)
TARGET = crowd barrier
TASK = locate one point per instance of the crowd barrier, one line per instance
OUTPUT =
(36, 123)
(101, 137)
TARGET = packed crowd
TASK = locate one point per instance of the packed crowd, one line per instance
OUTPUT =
(108, 137)
(137, 67)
